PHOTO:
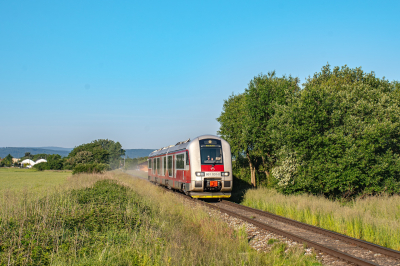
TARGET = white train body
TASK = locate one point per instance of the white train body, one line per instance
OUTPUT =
(202, 168)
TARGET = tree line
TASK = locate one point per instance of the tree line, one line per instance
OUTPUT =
(338, 135)
(98, 156)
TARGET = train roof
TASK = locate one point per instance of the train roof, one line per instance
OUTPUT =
(180, 145)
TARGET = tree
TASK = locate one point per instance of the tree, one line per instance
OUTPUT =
(233, 129)
(102, 151)
(54, 162)
(114, 149)
(263, 94)
(340, 136)
(7, 161)
(245, 117)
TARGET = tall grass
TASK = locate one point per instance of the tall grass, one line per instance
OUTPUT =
(114, 219)
(374, 219)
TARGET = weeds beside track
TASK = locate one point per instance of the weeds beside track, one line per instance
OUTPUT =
(373, 219)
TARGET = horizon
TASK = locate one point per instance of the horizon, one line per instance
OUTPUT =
(153, 74)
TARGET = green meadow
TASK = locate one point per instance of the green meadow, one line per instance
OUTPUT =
(30, 179)
(115, 219)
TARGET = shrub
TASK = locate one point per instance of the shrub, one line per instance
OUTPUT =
(90, 168)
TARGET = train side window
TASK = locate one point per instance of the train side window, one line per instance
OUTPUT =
(153, 164)
(158, 166)
(149, 162)
(187, 158)
(169, 159)
(164, 165)
(180, 161)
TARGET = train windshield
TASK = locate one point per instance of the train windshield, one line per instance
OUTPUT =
(211, 152)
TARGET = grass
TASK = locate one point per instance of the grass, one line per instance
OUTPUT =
(31, 179)
(374, 219)
(114, 219)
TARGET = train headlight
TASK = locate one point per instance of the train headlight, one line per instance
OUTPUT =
(200, 174)
(225, 173)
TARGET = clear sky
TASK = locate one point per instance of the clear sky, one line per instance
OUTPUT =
(151, 73)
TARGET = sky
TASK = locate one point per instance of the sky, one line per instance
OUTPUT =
(151, 73)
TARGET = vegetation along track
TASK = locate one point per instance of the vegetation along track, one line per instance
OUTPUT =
(346, 248)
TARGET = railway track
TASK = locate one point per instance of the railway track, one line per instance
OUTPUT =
(343, 247)
(352, 250)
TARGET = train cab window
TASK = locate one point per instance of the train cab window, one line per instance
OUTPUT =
(187, 158)
(153, 164)
(169, 159)
(164, 165)
(158, 166)
(149, 162)
(211, 152)
(180, 163)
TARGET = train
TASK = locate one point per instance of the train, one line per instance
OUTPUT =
(200, 168)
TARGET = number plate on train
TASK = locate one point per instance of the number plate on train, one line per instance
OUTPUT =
(213, 174)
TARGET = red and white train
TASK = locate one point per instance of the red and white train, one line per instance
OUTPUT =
(201, 168)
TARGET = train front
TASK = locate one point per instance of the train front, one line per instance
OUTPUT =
(210, 167)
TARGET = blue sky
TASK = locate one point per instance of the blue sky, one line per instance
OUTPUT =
(152, 73)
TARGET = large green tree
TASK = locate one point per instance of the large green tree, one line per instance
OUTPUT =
(101, 151)
(245, 117)
(263, 94)
(340, 137)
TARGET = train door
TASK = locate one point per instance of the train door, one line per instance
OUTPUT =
(170, 168)
(179, 166)
(164, 165)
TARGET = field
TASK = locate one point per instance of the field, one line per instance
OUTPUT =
(30, 179)
(114, 219)
(374, 219)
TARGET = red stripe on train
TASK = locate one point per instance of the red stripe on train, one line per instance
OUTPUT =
(210, 168)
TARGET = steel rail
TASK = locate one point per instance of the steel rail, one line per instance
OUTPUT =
(358, 242)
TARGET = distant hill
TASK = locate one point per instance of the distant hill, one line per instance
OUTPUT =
(55, 148)
(134, 153)
(18, 152)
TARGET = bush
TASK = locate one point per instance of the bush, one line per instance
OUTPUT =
(340, 137)
(50, 165)
(90, 168)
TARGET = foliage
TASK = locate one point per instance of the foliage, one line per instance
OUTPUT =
(245, 117)
(7, 161)
(102, 151)
(54, 162)
(90, 168)
(340, 137)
